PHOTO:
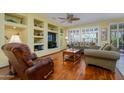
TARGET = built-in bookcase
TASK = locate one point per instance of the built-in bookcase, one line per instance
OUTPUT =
(38, 35)
(15, 24)
(15, 18)
(32, 29)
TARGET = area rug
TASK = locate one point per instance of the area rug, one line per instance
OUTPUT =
(120, 64)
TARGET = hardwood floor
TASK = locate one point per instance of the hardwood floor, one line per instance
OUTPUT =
(78, 71)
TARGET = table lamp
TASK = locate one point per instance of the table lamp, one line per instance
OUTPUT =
(15, 39)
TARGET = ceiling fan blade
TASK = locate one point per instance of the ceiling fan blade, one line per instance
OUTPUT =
(74, 19)
(61, 18)
(69, 18)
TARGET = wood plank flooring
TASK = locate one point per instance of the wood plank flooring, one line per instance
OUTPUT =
(78, 71)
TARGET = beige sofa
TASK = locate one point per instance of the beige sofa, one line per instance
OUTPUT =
(103, 58)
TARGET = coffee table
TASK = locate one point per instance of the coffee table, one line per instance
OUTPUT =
(72, 55)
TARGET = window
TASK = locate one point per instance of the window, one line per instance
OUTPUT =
(85, 36)
(90, 35)
(117, 35)
(74, 36)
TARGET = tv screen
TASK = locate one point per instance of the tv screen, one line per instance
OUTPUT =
(52, 43)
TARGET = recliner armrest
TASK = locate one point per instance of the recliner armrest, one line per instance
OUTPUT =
(33, 56)
(102, 54)
(38, 69)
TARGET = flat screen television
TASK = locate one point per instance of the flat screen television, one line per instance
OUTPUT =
(52, 42)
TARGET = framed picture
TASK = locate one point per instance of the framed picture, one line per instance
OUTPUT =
(104, 34)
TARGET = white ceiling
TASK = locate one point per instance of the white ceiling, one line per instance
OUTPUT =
(84, 17)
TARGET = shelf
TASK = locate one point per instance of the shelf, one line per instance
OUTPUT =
(38, 28)
(52, 31)
(38, 36)
(38, 23)
(10, 24)
(15, 18)
(38, 43)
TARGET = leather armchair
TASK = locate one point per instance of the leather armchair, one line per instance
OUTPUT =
(26, 64)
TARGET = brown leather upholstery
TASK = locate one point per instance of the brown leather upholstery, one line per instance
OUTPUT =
(26, 64)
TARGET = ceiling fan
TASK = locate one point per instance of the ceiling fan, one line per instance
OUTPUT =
(69, 18)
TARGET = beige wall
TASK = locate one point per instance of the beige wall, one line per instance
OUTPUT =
(3, 59)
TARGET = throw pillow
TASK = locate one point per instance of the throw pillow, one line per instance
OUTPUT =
(114, 48)
(108, 48)
(102, 48)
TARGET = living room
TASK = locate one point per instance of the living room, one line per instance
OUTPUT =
(61, 46)
(59, 36)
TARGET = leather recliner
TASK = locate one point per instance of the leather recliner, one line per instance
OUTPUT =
(26, 64)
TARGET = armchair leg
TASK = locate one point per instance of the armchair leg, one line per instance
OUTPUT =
(45, 77)
(12, 70)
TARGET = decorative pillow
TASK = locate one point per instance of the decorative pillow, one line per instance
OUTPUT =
(114, 48)
(102, 48)
(108, 48)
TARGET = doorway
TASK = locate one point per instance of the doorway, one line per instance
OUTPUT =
(117, 35)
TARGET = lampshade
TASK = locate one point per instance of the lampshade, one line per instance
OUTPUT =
(66, 37)
(15, 39)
